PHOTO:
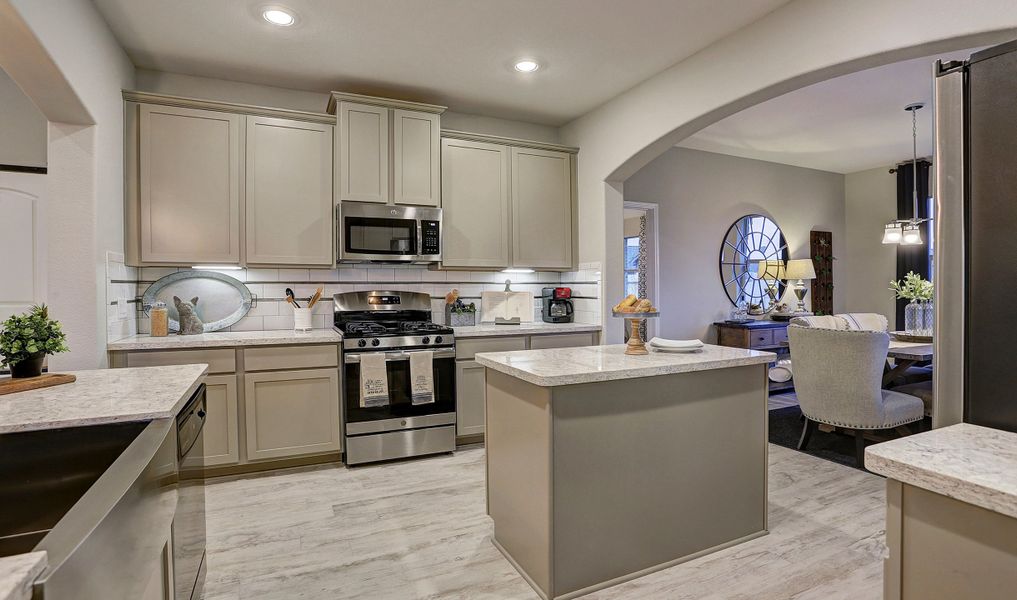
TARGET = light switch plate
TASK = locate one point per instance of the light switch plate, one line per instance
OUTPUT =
(122, 308)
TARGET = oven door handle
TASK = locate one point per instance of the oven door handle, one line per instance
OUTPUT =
(354, 357)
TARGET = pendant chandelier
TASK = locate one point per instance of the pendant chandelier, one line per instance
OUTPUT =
(908, 232)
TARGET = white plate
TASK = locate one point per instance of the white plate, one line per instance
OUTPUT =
(676, 350)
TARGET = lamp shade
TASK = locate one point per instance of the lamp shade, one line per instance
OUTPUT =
(892, 233)
(800, 268)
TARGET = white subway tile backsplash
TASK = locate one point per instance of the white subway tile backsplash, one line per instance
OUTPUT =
(293, 275)
(249, 323)
(352, 274)
(264, 308)
(323, 275)
(262, 274)
(380, 274)
(279, 322)
(155, 273)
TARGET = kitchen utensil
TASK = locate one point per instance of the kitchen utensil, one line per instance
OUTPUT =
(292, 298)
(314, 299)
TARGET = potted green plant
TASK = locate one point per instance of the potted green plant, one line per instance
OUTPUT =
(918, 312)
(26, 339)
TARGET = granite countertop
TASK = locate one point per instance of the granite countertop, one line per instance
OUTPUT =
(534, 328)
(18, 573)
(567, 366)
(973, 464)
(103, 396)
(226, 339)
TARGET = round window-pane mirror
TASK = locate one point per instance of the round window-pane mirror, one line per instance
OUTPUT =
(752, 261)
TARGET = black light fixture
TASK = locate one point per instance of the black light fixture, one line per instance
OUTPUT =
(907, 232)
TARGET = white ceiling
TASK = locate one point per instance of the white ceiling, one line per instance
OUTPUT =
(844, 125)
(453, 52)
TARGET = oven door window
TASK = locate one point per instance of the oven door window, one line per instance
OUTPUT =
(367, 235)
(399, 405)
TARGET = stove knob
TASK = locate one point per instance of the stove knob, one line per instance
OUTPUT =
(375, 342)
(426, 340)
(437, 340)
(362, 343)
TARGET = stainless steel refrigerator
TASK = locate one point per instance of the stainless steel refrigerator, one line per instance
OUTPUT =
(975, 256)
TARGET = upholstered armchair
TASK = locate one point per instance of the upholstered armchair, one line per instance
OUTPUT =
(838, 376)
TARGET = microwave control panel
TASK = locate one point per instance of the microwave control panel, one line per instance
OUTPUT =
(431, 243)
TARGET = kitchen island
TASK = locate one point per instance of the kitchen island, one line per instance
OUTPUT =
(602, 467)
(951, 514)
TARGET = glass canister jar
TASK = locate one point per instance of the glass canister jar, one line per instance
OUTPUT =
(159, 316)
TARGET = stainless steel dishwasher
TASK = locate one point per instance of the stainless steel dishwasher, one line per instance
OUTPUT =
(108, 504)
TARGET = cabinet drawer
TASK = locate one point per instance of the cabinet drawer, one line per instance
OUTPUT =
(290, 357)
(219, 360)
(779, 336)
(761, 338)
(468, 348)
(566, 340)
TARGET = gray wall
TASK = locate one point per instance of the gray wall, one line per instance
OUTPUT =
(700, 194)
(870, 202)
(22, 127)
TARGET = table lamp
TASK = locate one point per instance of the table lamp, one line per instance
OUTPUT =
(799, 270)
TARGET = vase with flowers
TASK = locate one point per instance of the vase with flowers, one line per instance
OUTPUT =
(918, 314)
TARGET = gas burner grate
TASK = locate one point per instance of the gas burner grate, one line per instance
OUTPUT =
(365, 327)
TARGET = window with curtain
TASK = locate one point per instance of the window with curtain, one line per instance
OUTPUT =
(632, 265)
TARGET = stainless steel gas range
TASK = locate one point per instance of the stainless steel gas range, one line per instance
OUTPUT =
(396, 325)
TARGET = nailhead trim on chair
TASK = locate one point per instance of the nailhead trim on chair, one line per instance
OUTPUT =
(845, 425)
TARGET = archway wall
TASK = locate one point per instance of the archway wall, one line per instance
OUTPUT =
(802, 43)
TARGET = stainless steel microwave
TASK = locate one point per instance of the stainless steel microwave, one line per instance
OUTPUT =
(386, 233)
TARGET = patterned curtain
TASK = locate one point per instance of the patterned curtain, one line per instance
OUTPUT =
(642, 268)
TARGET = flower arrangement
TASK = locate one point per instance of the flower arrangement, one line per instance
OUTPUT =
(912, 287)
(25, 339)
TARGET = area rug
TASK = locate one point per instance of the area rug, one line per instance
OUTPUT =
(786, 429)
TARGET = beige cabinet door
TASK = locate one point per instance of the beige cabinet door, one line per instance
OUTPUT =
(362, 151)
(541, 209)
(291, 413)
(475, 204)
(189, 185)
(219, 435)
(289, 192)
(471, 393)
(416, 162)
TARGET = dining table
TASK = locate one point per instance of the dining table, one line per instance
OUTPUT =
(904, 355)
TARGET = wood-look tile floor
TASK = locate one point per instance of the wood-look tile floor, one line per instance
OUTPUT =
(418, 530)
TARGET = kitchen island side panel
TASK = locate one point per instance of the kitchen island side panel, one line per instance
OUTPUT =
(647, 471)
(518, 442)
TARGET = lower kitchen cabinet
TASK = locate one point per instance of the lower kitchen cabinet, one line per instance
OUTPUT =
(471, 382)
(220, 435)
(470, 393)
(291, 413)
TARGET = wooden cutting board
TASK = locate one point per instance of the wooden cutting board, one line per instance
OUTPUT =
(11, 386)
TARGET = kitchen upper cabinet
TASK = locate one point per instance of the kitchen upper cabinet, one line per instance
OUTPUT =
(388, 151)
(188, 185)
(363, 153)
(291, 413)
(476, 206)
(221, 431)
(289, 192)
(416, 161)
(541, 209)
(506, 204)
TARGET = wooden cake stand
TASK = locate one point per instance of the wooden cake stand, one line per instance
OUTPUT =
(636, 344)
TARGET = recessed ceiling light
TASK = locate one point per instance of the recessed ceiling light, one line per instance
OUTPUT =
(526, 65)
(277, 16)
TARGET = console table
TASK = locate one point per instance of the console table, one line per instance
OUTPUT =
(762, 334)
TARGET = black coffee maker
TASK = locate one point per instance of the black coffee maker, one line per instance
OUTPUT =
(557, 305)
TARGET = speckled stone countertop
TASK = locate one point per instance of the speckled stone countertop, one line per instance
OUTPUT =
(973, 464)
(226, 339)
(18, 572)
(103, 396)
(567, 366)
(534, 328)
